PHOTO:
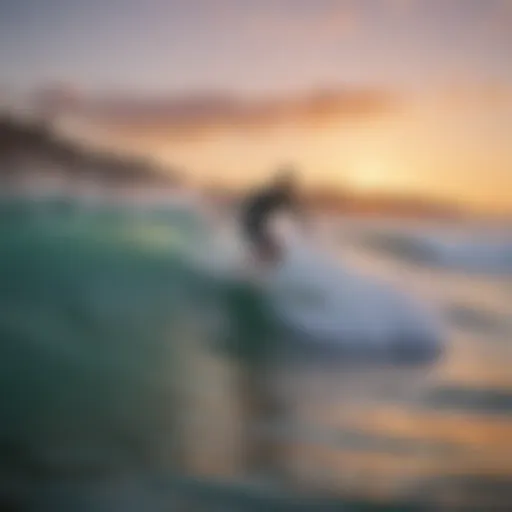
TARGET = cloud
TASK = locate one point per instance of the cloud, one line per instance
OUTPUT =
(200, 115)
(401, 6)
(499, 22)
(487, 95)
(321, 22)
(336, 23)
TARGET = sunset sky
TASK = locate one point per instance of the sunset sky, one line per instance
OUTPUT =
(389, 95)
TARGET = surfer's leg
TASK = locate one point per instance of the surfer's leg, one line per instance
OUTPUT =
(265, 246)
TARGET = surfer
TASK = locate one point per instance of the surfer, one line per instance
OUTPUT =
(256, 331)
(260, 206)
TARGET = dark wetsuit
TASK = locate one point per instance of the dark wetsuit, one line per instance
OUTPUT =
(257, 211)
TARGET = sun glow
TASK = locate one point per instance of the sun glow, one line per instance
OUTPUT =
(369, 176)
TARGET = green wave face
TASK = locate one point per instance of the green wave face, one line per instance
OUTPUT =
(94, 310)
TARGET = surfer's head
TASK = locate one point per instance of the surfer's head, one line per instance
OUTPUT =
(286, 177)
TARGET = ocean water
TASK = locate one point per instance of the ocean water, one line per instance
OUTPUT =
(123, 328)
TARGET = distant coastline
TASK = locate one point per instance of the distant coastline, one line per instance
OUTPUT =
(33, 155)
(336, 201)
(32, 152)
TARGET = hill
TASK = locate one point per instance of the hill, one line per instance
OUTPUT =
(32, 149)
